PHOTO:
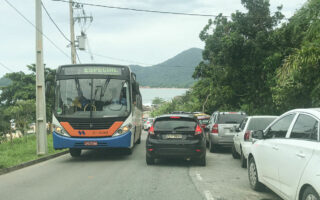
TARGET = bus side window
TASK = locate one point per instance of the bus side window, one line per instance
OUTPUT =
(134, 93)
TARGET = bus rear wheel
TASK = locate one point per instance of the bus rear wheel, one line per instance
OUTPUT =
(75, 152)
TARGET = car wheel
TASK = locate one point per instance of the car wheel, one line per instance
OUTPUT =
(212, 147)
(150, 160)
(202, 161)
(253, 176)
(310, 194)
(235, 154)
(75, 152)
(243, 160)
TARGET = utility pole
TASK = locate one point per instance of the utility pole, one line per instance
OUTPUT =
(41, 121)
(73, 46)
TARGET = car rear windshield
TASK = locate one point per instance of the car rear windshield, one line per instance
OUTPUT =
(177, 124)
(230, 118)
(259, 123)
(204, 121)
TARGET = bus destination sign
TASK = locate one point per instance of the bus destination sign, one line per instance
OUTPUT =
(103, 70)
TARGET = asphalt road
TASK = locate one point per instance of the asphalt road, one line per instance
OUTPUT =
(114, 175)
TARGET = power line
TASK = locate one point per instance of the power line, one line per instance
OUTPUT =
(6, 67)
(142, 10)
(131, 61)
(118, 59)
(36, 28)
(78, 57)
(62, 33)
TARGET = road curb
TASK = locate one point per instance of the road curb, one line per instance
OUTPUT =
(32, 162)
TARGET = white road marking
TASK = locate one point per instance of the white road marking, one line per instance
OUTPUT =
(208, 195)
(198, 176)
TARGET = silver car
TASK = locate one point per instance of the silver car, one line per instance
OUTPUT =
(221, 129)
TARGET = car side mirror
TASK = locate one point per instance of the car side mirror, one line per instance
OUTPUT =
(257, 134)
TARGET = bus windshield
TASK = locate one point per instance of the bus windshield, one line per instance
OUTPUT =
(92, 98)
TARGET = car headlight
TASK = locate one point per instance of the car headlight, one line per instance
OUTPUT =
(122, 130)
(60, 130)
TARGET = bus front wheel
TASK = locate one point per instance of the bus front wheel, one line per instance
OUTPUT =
(75, 152)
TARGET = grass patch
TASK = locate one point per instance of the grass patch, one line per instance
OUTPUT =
(22, 150)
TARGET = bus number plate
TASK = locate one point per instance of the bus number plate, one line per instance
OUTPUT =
(91, 143)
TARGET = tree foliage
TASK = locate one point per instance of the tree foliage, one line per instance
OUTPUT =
(17, 100)
(256, 62)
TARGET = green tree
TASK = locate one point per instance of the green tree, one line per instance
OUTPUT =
(4, 124)
(298, 79)
(158, 101)
(23, 87)
(234, 69)
(23, 112)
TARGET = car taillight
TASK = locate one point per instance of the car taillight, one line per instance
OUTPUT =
(148, 122)
(247, 135)
(215, 129)
(151, 130)
(198, 130)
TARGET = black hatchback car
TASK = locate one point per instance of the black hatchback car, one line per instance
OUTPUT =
(176, 136)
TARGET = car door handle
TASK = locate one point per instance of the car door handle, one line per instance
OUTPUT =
(301, 155)
(275, 148)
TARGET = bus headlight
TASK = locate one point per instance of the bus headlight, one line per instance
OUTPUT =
(122, 130)
(60, 130)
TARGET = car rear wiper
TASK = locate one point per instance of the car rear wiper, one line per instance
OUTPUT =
(180, 127)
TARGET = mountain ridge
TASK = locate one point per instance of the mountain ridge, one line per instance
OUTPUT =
(174, 72)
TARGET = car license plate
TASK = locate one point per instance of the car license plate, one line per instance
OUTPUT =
(91, 143)
(174, 136)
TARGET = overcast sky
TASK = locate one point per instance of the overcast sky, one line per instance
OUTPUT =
(125, 37)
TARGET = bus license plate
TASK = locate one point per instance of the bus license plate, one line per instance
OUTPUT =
(91, 143)
(176, 136)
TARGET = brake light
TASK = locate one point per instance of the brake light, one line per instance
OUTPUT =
(215, 129)
(174, 117)
(246, 135)
(198, 130)
(151, 130)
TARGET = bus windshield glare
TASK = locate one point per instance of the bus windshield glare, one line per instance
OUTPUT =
(92, 98)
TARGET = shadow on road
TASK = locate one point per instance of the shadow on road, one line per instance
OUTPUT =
(165, 162)
(102, 155)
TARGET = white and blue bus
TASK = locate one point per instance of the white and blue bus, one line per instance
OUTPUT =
(96, 106)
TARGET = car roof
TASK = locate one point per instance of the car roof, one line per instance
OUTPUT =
(178, 115)
(313, 111)
(231, 112)
(262, 116)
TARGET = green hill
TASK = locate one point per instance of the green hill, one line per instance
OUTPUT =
(175, 72)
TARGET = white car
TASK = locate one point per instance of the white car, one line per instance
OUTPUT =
(286, 156)
(242, 139)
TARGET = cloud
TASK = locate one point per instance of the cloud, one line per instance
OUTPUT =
(137, 36)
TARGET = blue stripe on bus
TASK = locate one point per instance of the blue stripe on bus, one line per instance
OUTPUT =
(122, 141)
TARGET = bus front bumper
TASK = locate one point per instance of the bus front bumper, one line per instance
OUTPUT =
(62, 142)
